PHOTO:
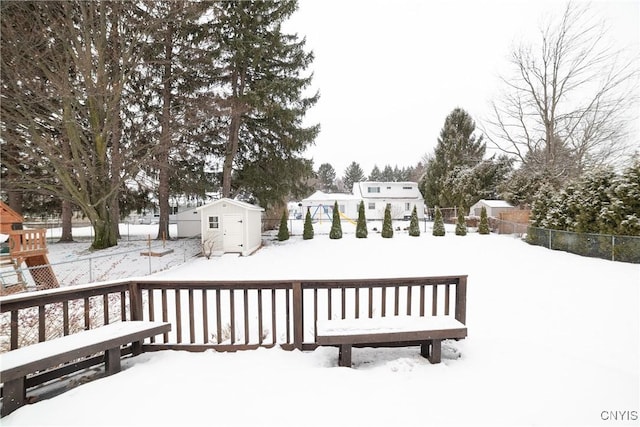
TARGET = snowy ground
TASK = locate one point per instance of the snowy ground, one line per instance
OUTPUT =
(553, 340)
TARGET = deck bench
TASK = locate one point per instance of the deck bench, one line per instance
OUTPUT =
(428, 332)
(15, 365)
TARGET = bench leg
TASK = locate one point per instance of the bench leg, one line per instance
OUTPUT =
(112, 361)
(344, 355)
(436, 351)
(13, 396)
(425, 347)
(136, 348)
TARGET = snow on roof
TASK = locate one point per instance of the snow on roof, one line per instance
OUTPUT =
(496, 203)
(233, 202)
(321, 196)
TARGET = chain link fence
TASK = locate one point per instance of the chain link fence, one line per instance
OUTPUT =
(605, 246)
(73, 264)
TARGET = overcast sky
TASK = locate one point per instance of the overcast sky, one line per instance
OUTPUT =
(389, 72)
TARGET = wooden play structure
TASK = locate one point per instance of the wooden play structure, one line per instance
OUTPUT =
(23, 247)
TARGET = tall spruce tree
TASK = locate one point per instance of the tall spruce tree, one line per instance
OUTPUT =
(262, 77)
(376, 174)
(352, 174)
(307, 232)
(483, 227)
(457, 148)
(336, 226)
(283, 230)
(387, 225)
(461, 225)
(361, 225)
(438, 223)
(414, 227)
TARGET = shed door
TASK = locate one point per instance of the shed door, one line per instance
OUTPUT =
(233, 231)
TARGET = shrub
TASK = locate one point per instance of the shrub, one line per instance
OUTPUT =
(307, 232)
(414, 227)
(483, 228)
(336, 226)
(387, 227)
(361, 226)
(461, 226)
(283, 230)
(438, 223)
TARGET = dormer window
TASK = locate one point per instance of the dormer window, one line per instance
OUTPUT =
(373, 189)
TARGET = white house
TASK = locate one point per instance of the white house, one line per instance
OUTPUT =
(231, 226)
(493, 207)
(402, 196)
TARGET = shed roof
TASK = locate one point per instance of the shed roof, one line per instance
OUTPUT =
(239, 203)
(496, 203)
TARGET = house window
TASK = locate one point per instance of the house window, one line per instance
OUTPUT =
(371, 206)
(407, 206)
(407, 188)
(213, 222)
(373, 189)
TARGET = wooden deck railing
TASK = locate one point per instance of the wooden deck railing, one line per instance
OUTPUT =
(225, 315)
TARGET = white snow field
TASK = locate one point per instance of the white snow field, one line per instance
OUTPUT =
(553, 341)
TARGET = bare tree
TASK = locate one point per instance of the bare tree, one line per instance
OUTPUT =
(566, 105)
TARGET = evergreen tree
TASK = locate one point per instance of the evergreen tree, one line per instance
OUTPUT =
(307, 232)
(483, 228)
(438, 223)
(336, 226)
(375, 174)
(387, 174)
(387, 226)
(361, 226)
(457, 148)
(283, 231)
(461, 225)
(259, 72)
(414, 227)
(327, 176)
(352, 174)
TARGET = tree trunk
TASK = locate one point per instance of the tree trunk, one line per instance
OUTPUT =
(165, 138)
(67, 214)
(230, 154)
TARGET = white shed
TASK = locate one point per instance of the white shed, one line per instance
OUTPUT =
(188, 223)
(231, 226)
(493, 207)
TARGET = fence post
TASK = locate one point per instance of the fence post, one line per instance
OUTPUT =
(297, 316)
(613, 248)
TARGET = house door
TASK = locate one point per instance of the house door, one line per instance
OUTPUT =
(233, 233)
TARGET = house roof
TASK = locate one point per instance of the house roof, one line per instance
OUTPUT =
(239, 203)
(321, 196)
(496, 203)
(413, 193)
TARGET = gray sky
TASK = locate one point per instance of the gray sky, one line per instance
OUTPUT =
(389, 72)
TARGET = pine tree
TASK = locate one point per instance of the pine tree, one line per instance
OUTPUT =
(375, 174)
(414, 228)
(283, 231)
(336, 226)
(438, 223)
(483, 228)
(307, 233)
(361, 226)
(387, 226)
(461, 225)
(352, 174)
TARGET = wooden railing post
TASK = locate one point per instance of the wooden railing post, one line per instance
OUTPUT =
(135, 301)
(297, 316)
(461, 300)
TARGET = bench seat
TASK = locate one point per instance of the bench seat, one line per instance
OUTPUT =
(408, 330)
(15, 365)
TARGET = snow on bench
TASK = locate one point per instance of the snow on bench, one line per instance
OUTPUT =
(400, 330)
(15, 365)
